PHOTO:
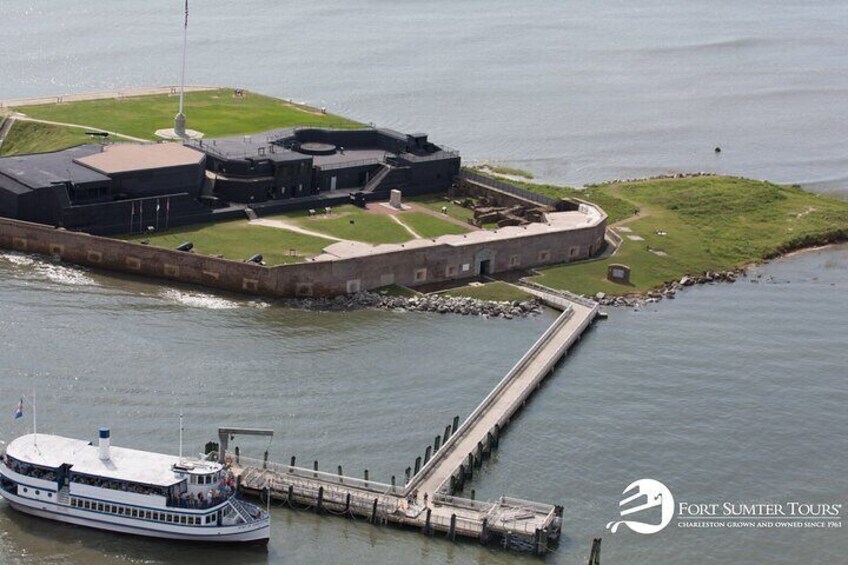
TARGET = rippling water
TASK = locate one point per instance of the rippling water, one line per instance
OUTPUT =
(730, 392)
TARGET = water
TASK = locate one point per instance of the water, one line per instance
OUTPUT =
(732, 392)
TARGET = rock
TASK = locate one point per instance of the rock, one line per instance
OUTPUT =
(600, 296)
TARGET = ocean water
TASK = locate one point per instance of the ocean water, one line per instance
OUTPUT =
(729, 393)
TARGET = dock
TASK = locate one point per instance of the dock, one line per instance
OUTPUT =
(447, 465)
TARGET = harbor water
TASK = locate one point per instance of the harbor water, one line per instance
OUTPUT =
(732, 392)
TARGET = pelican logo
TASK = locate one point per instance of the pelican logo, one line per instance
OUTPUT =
(650, 494)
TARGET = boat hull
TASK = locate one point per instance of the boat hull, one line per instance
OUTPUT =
(247, 534)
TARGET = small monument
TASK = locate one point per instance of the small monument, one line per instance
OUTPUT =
(618, 273)
(395, 199)
(395, 202)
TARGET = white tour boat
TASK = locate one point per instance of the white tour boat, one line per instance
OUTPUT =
(128, 491)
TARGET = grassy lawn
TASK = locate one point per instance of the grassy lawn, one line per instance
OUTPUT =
(494, 291)
(32, 137)
(428, 226)
(435, 202)
(238, 240)
(351, 222)
(510, 171)
(216, 113)
(396, 290)
(711, 223)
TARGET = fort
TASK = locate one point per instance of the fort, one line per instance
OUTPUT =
(63, 203)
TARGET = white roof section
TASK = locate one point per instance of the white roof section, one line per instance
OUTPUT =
(556, 222)
(84, 457)
(126, 157)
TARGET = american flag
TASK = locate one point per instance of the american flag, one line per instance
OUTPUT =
(19, 409)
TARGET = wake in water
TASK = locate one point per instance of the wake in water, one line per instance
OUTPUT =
(197, 299)
(32, 268)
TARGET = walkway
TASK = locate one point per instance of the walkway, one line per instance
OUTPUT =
(24, 118)
(282, 225)
(101, 95)
(402, 224)
(513, 523)
(497, 408)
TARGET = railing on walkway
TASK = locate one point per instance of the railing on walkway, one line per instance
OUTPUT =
(488, 401)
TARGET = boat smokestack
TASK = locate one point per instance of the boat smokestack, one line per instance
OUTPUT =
(104, 444)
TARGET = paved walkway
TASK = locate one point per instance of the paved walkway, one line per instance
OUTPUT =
(282, 225)
(402, 224)
(101, 95)
(23, 118)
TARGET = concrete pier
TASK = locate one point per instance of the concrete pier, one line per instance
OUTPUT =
(508, 522)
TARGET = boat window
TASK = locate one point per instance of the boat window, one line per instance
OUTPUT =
(49, 495)
(26, 489)
(37, 492)
(120, 510)
(100, 506)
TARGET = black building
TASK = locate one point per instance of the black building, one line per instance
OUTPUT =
(291, 163)
(130, 188)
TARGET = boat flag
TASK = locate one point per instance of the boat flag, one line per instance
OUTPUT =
(19, 410)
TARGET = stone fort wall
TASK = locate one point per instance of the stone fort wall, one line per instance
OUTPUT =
(409, 267)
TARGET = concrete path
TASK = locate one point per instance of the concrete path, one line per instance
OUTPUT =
(101, 95)
(24, 118)
(280, 224)
(401, 223)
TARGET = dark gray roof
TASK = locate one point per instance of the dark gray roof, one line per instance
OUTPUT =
(39, 170)
(257, 146)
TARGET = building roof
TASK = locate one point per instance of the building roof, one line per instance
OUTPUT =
(84, 457)
(39, 170)
(128, 157)
(258, 146)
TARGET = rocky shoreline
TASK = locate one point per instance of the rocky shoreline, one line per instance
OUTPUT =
(426, 303)
(669, 290)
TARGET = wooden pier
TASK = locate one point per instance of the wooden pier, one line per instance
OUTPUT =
(446, 466)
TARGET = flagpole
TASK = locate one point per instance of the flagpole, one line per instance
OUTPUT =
(34, 420)
(181, 437)
(185, 44)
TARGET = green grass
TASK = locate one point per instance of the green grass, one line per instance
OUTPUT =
(616, 208)
(215, 113)
(511, 171)
(429, 226)
(494, 291)
(33, 137)
(396, 290)
(712, 223)
(238, 240)
(367, 226)
(436, 202)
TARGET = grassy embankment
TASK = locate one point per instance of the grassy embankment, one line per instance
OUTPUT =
(216, 113)
(33, 137)
(238, 240)
(692, 225)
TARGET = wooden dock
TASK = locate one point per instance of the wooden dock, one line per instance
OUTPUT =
(447, 465)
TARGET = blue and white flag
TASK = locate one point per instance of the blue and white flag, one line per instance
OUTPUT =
(19, 410)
